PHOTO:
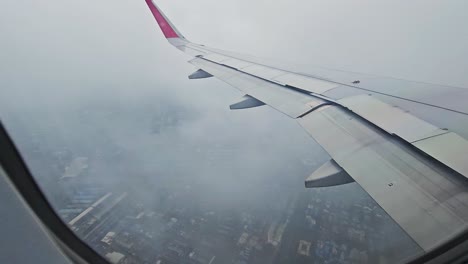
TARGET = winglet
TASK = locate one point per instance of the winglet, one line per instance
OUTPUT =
(168, 29)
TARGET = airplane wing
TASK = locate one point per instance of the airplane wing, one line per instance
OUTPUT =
(404, 142)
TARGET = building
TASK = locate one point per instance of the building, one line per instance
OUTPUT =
(304, 248)
(115, 257)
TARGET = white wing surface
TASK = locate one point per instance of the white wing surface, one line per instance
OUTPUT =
(404, 142)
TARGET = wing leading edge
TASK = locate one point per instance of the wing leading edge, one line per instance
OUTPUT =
(413, 165)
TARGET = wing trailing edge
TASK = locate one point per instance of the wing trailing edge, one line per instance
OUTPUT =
(413, 167)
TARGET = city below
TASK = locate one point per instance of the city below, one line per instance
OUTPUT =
(306, 228)
(167, 197)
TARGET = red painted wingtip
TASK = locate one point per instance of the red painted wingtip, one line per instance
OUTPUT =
(166, 27)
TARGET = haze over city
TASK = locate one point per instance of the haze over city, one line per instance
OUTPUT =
(94, 86)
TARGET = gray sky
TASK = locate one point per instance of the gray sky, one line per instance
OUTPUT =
(118, 41)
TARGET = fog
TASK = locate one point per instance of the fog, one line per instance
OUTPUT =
(93, 78)
(98, 79)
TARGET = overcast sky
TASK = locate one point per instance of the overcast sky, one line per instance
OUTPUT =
(118, 41)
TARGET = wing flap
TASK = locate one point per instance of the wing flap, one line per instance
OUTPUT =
(448, 148)
(305, 83)
(392, 119)
(272, 74)
(287, 101)
(421, 197)
(262, 71)
(237, 64)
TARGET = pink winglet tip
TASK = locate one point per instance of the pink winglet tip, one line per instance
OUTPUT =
(165, 26)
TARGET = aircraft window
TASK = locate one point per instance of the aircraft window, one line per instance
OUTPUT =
(147, 166)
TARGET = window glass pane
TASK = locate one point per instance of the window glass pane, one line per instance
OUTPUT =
(147, 166)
